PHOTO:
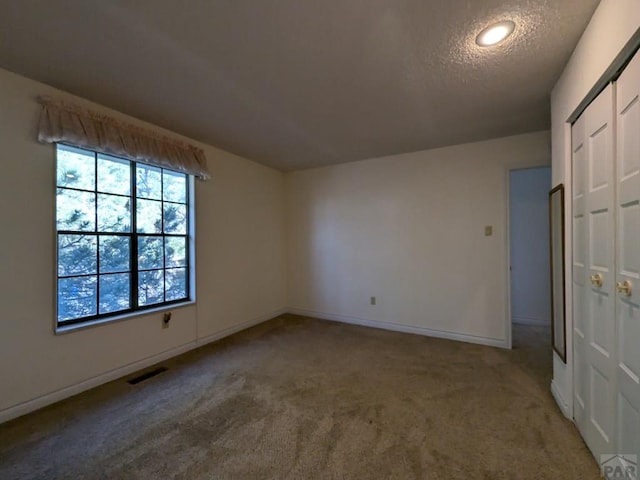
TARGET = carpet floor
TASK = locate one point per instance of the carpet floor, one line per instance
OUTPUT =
(298, 398)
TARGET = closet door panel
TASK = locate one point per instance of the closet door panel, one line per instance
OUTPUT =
(628, 259)
(600, 293)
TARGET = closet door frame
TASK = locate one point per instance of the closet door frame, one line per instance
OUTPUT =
(629, 54)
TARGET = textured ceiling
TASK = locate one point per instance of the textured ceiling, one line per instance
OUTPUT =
(296, 83)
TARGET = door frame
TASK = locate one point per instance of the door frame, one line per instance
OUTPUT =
(508, 327)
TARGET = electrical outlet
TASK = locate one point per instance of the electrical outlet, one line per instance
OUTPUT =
(373, 300)
(166, 319)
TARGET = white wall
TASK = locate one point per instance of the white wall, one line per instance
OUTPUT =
(409, 230)
(240, 266)
(529, 245)
(612, 25)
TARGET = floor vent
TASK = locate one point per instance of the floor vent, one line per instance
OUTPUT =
(147, 375)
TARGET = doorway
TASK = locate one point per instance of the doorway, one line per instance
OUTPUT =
(529, 266)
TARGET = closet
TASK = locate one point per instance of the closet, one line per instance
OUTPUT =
(606, 267)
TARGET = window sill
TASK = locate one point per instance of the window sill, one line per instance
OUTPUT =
(118, 318)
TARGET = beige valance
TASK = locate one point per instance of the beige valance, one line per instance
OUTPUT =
(64, 122)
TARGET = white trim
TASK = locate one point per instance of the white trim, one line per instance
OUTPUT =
(562, 403)
(507, 245)
(396, 327)
(66, 329)
(242, 326)
(567, 180)
(537, 321)
(40, 402)
(511, 320)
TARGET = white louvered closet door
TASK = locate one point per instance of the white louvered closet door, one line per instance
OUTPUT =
(628, 260)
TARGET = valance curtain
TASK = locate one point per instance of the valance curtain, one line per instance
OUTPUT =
(64, 122)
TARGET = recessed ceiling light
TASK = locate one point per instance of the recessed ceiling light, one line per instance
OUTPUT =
(495, 33)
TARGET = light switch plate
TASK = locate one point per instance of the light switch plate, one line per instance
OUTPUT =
(488, 230)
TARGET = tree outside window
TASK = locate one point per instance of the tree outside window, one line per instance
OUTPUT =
(122, 235)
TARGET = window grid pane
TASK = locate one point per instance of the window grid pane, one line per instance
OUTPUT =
(75, 168)
(122, 236)
(114, 175)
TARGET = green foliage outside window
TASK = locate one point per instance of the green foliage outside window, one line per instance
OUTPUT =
(122, 235)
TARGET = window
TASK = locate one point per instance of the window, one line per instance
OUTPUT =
(122, 236)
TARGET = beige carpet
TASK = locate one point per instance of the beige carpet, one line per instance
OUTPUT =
(298, 398)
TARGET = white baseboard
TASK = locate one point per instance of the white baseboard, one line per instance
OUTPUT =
(40, 402)
(539, 322)
(396, 327)
(562, 403)
(53, 397)
(242, 326)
